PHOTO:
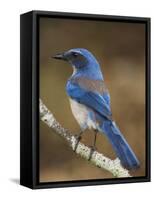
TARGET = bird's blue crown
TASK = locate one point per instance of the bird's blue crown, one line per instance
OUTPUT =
(84, 62)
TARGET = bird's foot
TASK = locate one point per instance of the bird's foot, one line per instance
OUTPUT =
(78, 138)
(92, 149)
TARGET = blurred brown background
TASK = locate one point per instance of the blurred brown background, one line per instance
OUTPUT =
(120, 49)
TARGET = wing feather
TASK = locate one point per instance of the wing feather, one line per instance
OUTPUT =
(94, 100)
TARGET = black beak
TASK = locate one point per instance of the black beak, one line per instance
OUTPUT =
(59, 56)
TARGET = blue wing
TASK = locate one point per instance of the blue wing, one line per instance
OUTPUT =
(94, 100)
(106, 97)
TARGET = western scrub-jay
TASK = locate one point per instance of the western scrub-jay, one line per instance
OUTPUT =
(90, 103)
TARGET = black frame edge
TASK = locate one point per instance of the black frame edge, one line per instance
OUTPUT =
(148, 98)
(88, 15)
(26, 159)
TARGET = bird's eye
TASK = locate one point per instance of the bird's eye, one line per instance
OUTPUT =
(75, 54)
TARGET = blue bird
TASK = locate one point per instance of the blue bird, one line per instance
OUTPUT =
(90, 103)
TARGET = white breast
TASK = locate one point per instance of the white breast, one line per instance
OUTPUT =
(81, 114)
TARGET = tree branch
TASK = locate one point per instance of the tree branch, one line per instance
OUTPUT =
(97, 159)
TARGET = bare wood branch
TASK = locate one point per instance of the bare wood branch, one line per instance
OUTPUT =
(97, 159)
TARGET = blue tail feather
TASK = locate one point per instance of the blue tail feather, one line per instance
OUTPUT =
(120, 145)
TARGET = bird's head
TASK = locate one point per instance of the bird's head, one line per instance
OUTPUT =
(81, 60)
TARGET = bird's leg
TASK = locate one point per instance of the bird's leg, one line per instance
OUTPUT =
(93, 148)
(78, 137)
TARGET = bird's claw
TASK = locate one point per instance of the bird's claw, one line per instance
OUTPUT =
(78, 138)
(92, 149)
